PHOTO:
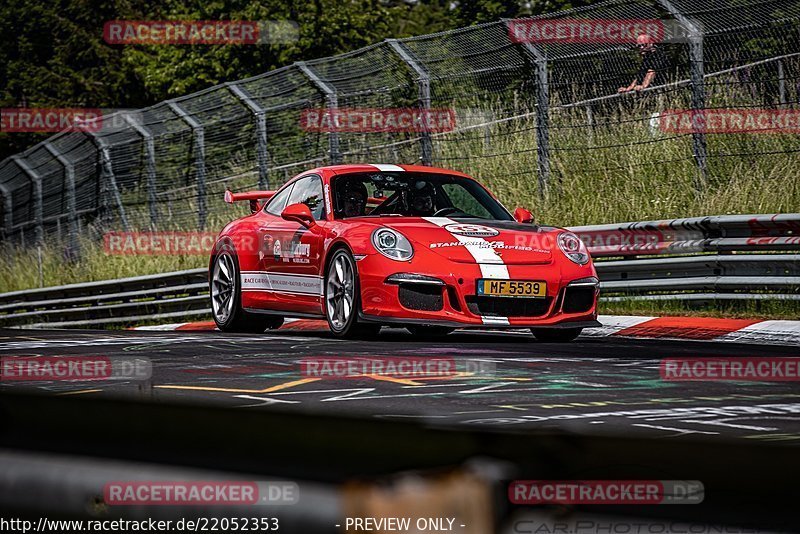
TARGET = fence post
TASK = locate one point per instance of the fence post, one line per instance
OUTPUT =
(36, 180)
(198, 132)
(8, 211)
(696, 75)
(542, 116)
(107, 174)
(150, 166)
(333, 103)
(424, 83)
(590, 123)
(72, 209)
(259, 114)
(781, 83)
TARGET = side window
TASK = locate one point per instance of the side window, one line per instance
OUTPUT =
(278, 202)
(308, 191)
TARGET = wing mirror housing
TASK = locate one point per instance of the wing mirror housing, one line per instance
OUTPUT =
(521, 215)
(299, 213)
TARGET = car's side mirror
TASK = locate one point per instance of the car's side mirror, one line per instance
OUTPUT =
(521, 215)
(299, 213)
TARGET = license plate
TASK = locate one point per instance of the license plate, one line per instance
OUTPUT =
(512, 288)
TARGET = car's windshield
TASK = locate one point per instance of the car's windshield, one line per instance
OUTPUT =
(413, 195)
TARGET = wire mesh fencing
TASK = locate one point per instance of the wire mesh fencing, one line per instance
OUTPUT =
(534, 107)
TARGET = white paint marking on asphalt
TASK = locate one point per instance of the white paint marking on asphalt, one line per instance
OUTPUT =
(487, 388)
(161, 327)
(679, 430)
(731, 425)
(263, 401)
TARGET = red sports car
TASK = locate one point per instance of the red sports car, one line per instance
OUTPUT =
(427, 249)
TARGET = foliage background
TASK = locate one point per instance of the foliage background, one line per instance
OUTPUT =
(52, 53)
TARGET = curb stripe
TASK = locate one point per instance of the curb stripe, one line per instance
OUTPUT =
(686, 327)
(613, 324)
(198, 326)
(765, 331)
(690, 328)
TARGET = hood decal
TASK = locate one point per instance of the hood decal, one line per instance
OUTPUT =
(471, 230)
(491, 264)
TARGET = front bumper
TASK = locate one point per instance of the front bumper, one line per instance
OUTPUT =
(445, 294)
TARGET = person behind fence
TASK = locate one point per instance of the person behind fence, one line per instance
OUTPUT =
(654, 65)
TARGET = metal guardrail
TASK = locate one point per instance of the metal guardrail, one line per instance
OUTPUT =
(122, 301)
(726, 257)
(729, 257)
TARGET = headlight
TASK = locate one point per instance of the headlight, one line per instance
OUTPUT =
(573, 248)
(392, 244)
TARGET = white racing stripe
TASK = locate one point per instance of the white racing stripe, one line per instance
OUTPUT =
(491, 265)
(387, 168)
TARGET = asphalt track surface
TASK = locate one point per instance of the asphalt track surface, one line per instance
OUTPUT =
(592, 386)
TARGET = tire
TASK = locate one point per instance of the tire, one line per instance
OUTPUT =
(226, 298)
(342, 299)
(427, 331)
(556, 335)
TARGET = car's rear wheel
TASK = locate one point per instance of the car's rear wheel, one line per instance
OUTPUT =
(556, 335)
(343, 297)
(424, 330)
(226, 299)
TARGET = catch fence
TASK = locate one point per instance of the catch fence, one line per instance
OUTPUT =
(527, 115)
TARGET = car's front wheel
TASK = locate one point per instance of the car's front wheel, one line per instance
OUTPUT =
(342, 297)
(226, 299)
(556, 335)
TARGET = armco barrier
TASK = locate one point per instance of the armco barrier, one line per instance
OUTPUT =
(729, 257)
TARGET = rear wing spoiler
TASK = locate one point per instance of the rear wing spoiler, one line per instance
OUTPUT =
(252, 196)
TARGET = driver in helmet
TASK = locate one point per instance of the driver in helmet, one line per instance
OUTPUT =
(421, 199)
(353, 198)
